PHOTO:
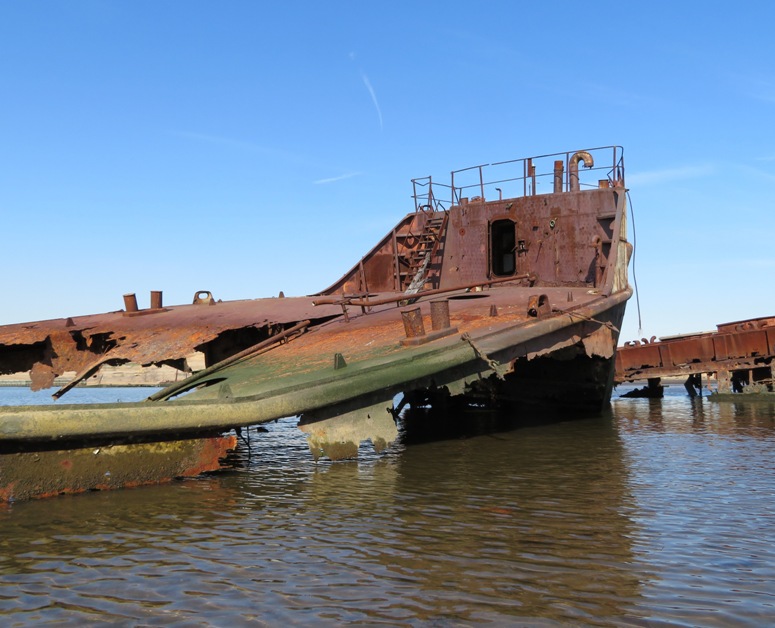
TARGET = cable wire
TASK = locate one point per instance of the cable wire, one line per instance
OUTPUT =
(634, 250)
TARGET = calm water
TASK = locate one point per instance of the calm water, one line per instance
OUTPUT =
(659, 514)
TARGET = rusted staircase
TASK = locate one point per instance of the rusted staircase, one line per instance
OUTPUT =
(415, 261)
(602, 243)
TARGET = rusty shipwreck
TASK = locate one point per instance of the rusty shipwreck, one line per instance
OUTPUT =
(509, 281)
(739, 357)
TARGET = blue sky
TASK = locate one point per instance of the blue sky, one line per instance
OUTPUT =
(251, 147)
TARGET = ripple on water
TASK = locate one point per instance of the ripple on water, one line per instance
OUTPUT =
(660, 514)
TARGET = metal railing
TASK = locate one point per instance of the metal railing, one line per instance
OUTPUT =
(543, 174)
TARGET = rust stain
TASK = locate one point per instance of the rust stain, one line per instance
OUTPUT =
(600, 343)
(40, 474)
(47, 349)
(542, 237)
(741, 350)
(519, 264)
(497, 510)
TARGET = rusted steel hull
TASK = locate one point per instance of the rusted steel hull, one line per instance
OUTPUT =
(301, 376)
(519, 297)
(83, 344)
(35, 472)
(738, 355)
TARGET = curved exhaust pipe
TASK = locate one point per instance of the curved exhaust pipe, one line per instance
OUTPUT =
(573, 167)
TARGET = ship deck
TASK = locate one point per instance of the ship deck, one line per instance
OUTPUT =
(378, 334)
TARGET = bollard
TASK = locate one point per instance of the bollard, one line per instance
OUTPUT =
(413, 325)
(538, 305)
(130, 302)
(415, 328)
(155, 299)
(439, 314)
(204, 297)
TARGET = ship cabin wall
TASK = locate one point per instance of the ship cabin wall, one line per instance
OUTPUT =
(555, 236)
(563, 238)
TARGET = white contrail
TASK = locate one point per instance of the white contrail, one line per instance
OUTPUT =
(373, 97)
(339, 178)
(241, 144)
(372, 93)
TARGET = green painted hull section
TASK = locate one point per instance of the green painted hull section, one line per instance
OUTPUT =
(270, 397)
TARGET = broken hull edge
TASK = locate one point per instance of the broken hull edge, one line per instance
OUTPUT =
(44, 472)
(453, 363)
(48, 467)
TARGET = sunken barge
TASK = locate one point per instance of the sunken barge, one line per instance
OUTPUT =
(508, 282)
(738, 356)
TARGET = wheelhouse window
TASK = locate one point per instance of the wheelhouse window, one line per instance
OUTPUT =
(503, 244)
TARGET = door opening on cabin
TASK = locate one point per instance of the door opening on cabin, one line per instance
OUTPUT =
(503, 244)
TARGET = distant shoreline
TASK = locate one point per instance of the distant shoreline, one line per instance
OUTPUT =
(58, 384)
(128, 375)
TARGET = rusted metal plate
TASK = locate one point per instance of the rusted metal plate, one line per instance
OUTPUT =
(50, 348)
(747, 344)
(665, 355)
(721, 347)
(45, 473)
(641, 357)
(686, 351)
(344, 356)
(747, 325)
(338, 432)
(736, 346)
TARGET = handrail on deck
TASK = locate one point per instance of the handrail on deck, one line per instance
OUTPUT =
(521, 177)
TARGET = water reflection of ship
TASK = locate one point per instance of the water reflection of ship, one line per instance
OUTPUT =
(523, 523)
(492, 511)
(430, 417)
(530, 517)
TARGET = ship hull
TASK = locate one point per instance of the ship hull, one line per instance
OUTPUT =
(516, 300)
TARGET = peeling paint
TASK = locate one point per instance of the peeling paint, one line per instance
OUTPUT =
(601, 342)
(45, 473)
(739, 354)
(507, 298)
(337, 434)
